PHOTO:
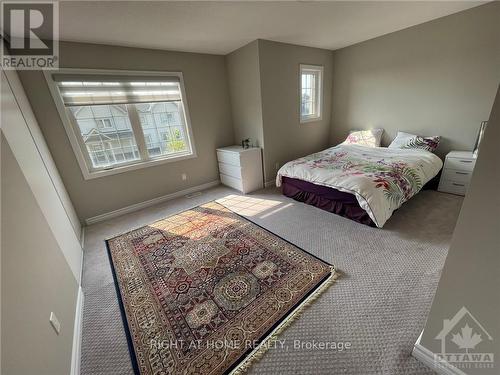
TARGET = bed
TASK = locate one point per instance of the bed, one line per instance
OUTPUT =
(365, 184)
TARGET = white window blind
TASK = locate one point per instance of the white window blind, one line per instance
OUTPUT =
(98, 90)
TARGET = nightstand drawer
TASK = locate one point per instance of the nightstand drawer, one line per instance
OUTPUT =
(457, 172)
(230, 170)
(232, 158)
(460, 164)
(457, 176)
(459, 188)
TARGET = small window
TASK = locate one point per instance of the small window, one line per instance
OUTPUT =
(310, 92)
(104, 123)
(120, 122)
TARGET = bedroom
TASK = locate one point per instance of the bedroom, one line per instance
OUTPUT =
(141, 235)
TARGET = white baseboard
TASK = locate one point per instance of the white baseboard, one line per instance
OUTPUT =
(77, 335)
(270, 183)
(427, 357)
(151, 202)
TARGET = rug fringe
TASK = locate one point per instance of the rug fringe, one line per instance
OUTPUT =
(270, 340)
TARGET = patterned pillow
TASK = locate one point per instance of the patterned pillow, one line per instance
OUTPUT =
(407, 140)
(369, 138)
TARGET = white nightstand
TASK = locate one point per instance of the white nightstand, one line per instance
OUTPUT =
(241, 168)
(457, 172)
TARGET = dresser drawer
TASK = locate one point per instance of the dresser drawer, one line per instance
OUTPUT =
(232, 158)
(235, 183)
(230, 170)
(460, 164)
(457, 176)
(459, 188)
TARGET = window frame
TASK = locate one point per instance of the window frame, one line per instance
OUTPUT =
(319, 90)
(72, 130)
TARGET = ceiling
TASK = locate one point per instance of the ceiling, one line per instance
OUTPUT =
(221, 27)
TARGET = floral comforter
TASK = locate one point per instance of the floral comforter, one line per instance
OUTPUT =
(381, 178)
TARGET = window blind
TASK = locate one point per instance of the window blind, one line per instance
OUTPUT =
(81, 90)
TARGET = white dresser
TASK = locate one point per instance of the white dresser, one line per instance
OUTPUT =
(241, 168)
(457, 172)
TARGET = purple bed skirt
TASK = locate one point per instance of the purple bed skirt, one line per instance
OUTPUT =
(328, 199)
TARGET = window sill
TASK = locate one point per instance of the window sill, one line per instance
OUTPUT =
(304, 120)
(89, 175)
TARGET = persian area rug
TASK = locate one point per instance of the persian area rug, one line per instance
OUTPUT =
(206, 291)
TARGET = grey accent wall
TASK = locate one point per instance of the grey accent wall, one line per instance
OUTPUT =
(36, 280)
(437, 78)
(285, 138)
(470, 276)
(208, 99)
(244, 88)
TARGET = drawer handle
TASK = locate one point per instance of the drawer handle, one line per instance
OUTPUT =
(466, 161)
(465, 173)
(461, 185)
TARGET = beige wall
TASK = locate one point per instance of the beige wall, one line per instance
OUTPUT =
(243, 73)
(285, 138)
(437, 78)
(434, 78)
(22, 132)
(470, 276)
(208, 100)
(36, 280)
(264, 88)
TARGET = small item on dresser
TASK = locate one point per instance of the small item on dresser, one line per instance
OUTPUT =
(245, 143)
(241, 168)
(457, 172)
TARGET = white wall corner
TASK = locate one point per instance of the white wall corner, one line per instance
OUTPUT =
(76, 352)
(42, 147)
(428, 358)
(31, 153)
(82, 237)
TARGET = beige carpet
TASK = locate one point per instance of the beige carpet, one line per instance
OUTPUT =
(379, 305)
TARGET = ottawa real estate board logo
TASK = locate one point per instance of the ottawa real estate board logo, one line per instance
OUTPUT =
(30, 35)
(465, 343)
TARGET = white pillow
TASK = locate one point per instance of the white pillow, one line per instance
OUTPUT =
(369, 138)
(407, 140)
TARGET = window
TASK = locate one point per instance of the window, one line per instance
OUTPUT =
(104, 123)
(310, 92)
(119, 122)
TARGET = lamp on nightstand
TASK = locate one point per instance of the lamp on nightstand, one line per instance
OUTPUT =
(480, 136)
